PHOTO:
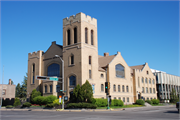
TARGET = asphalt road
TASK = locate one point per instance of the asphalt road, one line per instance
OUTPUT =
(146, 113)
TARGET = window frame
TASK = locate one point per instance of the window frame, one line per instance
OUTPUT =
(117, 70)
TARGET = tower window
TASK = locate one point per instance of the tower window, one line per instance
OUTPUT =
(33, 73)
(138, 82)
(72, 80)
(102, 75)
(68, 37)
(90, 76)
(147, 72)
(89, 60)
(86, 35)
(92, 43)
(75, 35)
(72, 59)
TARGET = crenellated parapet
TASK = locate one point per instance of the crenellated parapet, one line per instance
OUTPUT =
(79, 17)
(35, 54)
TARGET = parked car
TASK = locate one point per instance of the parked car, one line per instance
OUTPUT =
(177, 106)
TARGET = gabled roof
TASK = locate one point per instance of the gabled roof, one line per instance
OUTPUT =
(104, 61)
(140, 67)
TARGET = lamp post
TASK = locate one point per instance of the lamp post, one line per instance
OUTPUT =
(62, 77)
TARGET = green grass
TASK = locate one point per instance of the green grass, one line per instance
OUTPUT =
(37, 106)
(157, 105)
(116, 107)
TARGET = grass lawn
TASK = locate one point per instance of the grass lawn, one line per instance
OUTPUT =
(158, 105)
(116, 107)
(37, 106)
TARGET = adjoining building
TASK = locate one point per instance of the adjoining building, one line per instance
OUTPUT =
(165, 83)
(82, 62)
(8, 93)
(144, 82)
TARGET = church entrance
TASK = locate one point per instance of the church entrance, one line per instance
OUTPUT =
(139, 96)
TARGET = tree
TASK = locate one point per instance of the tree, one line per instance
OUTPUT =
(12, 82)
(173, 96)
(18, 90)
(24, 87)
(34, 94)
(87, 91)
(77, 94)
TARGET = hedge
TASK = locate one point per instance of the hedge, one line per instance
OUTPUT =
(140, 102)
(27, 104)
(155, 101)
(44, 100)
(82, 105)
(116, 102)
(9, 106)
(149, 101)
(101, 102)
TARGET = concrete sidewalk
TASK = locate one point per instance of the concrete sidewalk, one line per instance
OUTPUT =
(83, 110)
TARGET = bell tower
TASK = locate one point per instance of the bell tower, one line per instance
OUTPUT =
(80, 50)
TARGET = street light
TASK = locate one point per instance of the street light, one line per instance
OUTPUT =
(62, 77)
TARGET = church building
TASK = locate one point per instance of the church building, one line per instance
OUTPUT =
(82, 62)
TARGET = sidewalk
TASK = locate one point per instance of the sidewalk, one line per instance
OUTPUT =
(83, 110)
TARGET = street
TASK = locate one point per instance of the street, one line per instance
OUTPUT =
(145, 113)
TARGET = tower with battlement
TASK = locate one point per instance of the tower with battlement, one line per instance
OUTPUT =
(80, 51)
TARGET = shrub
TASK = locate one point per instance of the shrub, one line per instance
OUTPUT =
(50, 105)
(140, 102)
(17, 102)
(155, 101)
(38, 100)
(82, 105)
(49, 99)
(149, 101)
(101, 102)
(9, 106)
(34, 94)
(27, 104)
(56, 102)
(93, 101)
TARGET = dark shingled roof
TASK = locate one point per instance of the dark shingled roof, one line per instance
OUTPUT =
(104, 61)
(140, 67)
(60, 46)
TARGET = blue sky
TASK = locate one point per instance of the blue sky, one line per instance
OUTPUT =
(141, 31)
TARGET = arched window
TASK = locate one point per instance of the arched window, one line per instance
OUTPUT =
(123, 88)
(153, 81)
(86, 35)
(72, 59)
(50, 88)
(120, 71)
(102, 75)
(147, 72)
(142, 89)
(72, 81)
(54, 70)
(102, 87)
(146, 80)
(33, 73)
(127, 89)
(69, 37)
(142, 80)
(89, 60)
(45, 88)
(92, 43)
(90, 75)
(75, 35)
(149, 81)
(114, 88)
(146, 90)
(119, 89)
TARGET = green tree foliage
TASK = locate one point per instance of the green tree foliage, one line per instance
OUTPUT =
(18, 90)
(17, 102)
(12, 82)
(78, 94)
(34, 94)
(21, 90)
(155, 101)
(87, 92)
(173, 96)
